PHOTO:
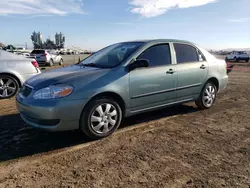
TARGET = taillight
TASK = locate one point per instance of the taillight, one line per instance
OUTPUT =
(35, 64)
(45, 54)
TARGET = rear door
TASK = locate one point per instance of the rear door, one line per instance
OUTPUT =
(244, 55)
(53, 56)
(192, 69)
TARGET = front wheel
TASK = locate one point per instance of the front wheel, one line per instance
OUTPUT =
(101, 118)
(236, 59)
(247, 60)
(207, 96)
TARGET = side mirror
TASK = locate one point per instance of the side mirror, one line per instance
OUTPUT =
(138, 63)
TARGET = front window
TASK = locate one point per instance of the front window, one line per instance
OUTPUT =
(111, 56)
(158, 55)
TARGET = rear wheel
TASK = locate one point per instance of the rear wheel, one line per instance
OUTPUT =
(101, 118)
(207, 96)
(51, 63)
(61, 62)
(247, 60)
(8, 86)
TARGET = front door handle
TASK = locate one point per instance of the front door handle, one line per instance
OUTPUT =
(170, 71)
(203, 67)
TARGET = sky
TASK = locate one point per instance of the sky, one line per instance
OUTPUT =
(94, 24)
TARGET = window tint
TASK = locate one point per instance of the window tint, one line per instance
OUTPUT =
(185, 53)
(38, 52)
(157, 55)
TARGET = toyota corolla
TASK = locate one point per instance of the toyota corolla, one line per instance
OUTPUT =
(118, 81)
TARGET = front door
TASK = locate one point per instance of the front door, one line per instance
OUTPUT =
(153, 86)
(192, 70)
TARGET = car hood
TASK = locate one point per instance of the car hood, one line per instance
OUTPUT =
(66, 75)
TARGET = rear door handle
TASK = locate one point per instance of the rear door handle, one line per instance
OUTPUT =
(203, 67)
(170, 71)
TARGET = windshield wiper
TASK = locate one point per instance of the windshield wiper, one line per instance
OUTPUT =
(93, 65)
(90, 65)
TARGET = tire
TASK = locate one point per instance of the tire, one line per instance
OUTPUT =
(8, 87)
(236, 59)
(61, 62)
(96, 124)
(247, 60)
(209, 92)
(51, 63)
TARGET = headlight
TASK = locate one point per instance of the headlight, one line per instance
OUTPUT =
(54, 91)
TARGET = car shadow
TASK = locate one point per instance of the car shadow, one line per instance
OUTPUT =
(17, 139)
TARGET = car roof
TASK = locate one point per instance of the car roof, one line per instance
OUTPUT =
(161, 40)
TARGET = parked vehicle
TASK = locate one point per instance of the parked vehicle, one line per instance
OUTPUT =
(14, 71)
(121, 80)
(237, 56)
(47, 57)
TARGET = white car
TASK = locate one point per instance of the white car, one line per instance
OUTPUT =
(237, 56)
(14, 71)
(47, 57)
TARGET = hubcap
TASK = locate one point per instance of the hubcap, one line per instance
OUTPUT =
(104, 118)
(209, 96)
(7, 87)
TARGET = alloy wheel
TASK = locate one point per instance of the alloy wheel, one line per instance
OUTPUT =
(209, 95)
(104, 118)
(7, 87)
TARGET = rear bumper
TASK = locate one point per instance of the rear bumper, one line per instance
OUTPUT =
(223, 83)
(25, 77)
(57, 115)
(42, 62)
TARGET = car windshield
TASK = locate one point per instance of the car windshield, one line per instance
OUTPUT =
(111, 56)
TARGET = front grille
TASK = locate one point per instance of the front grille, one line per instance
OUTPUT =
(26, 90)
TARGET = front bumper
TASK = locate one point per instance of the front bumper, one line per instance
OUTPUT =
(51, 115)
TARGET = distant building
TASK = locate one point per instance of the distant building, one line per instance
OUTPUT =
(37, 38)
(60, 40)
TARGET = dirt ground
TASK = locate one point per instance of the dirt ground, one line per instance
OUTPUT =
(175, 147)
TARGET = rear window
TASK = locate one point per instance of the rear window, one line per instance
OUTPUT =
(244, 52)
(38, 52)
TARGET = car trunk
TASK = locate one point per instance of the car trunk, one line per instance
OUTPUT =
(40, 55)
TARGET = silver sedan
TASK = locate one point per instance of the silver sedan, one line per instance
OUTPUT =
(14, 71)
